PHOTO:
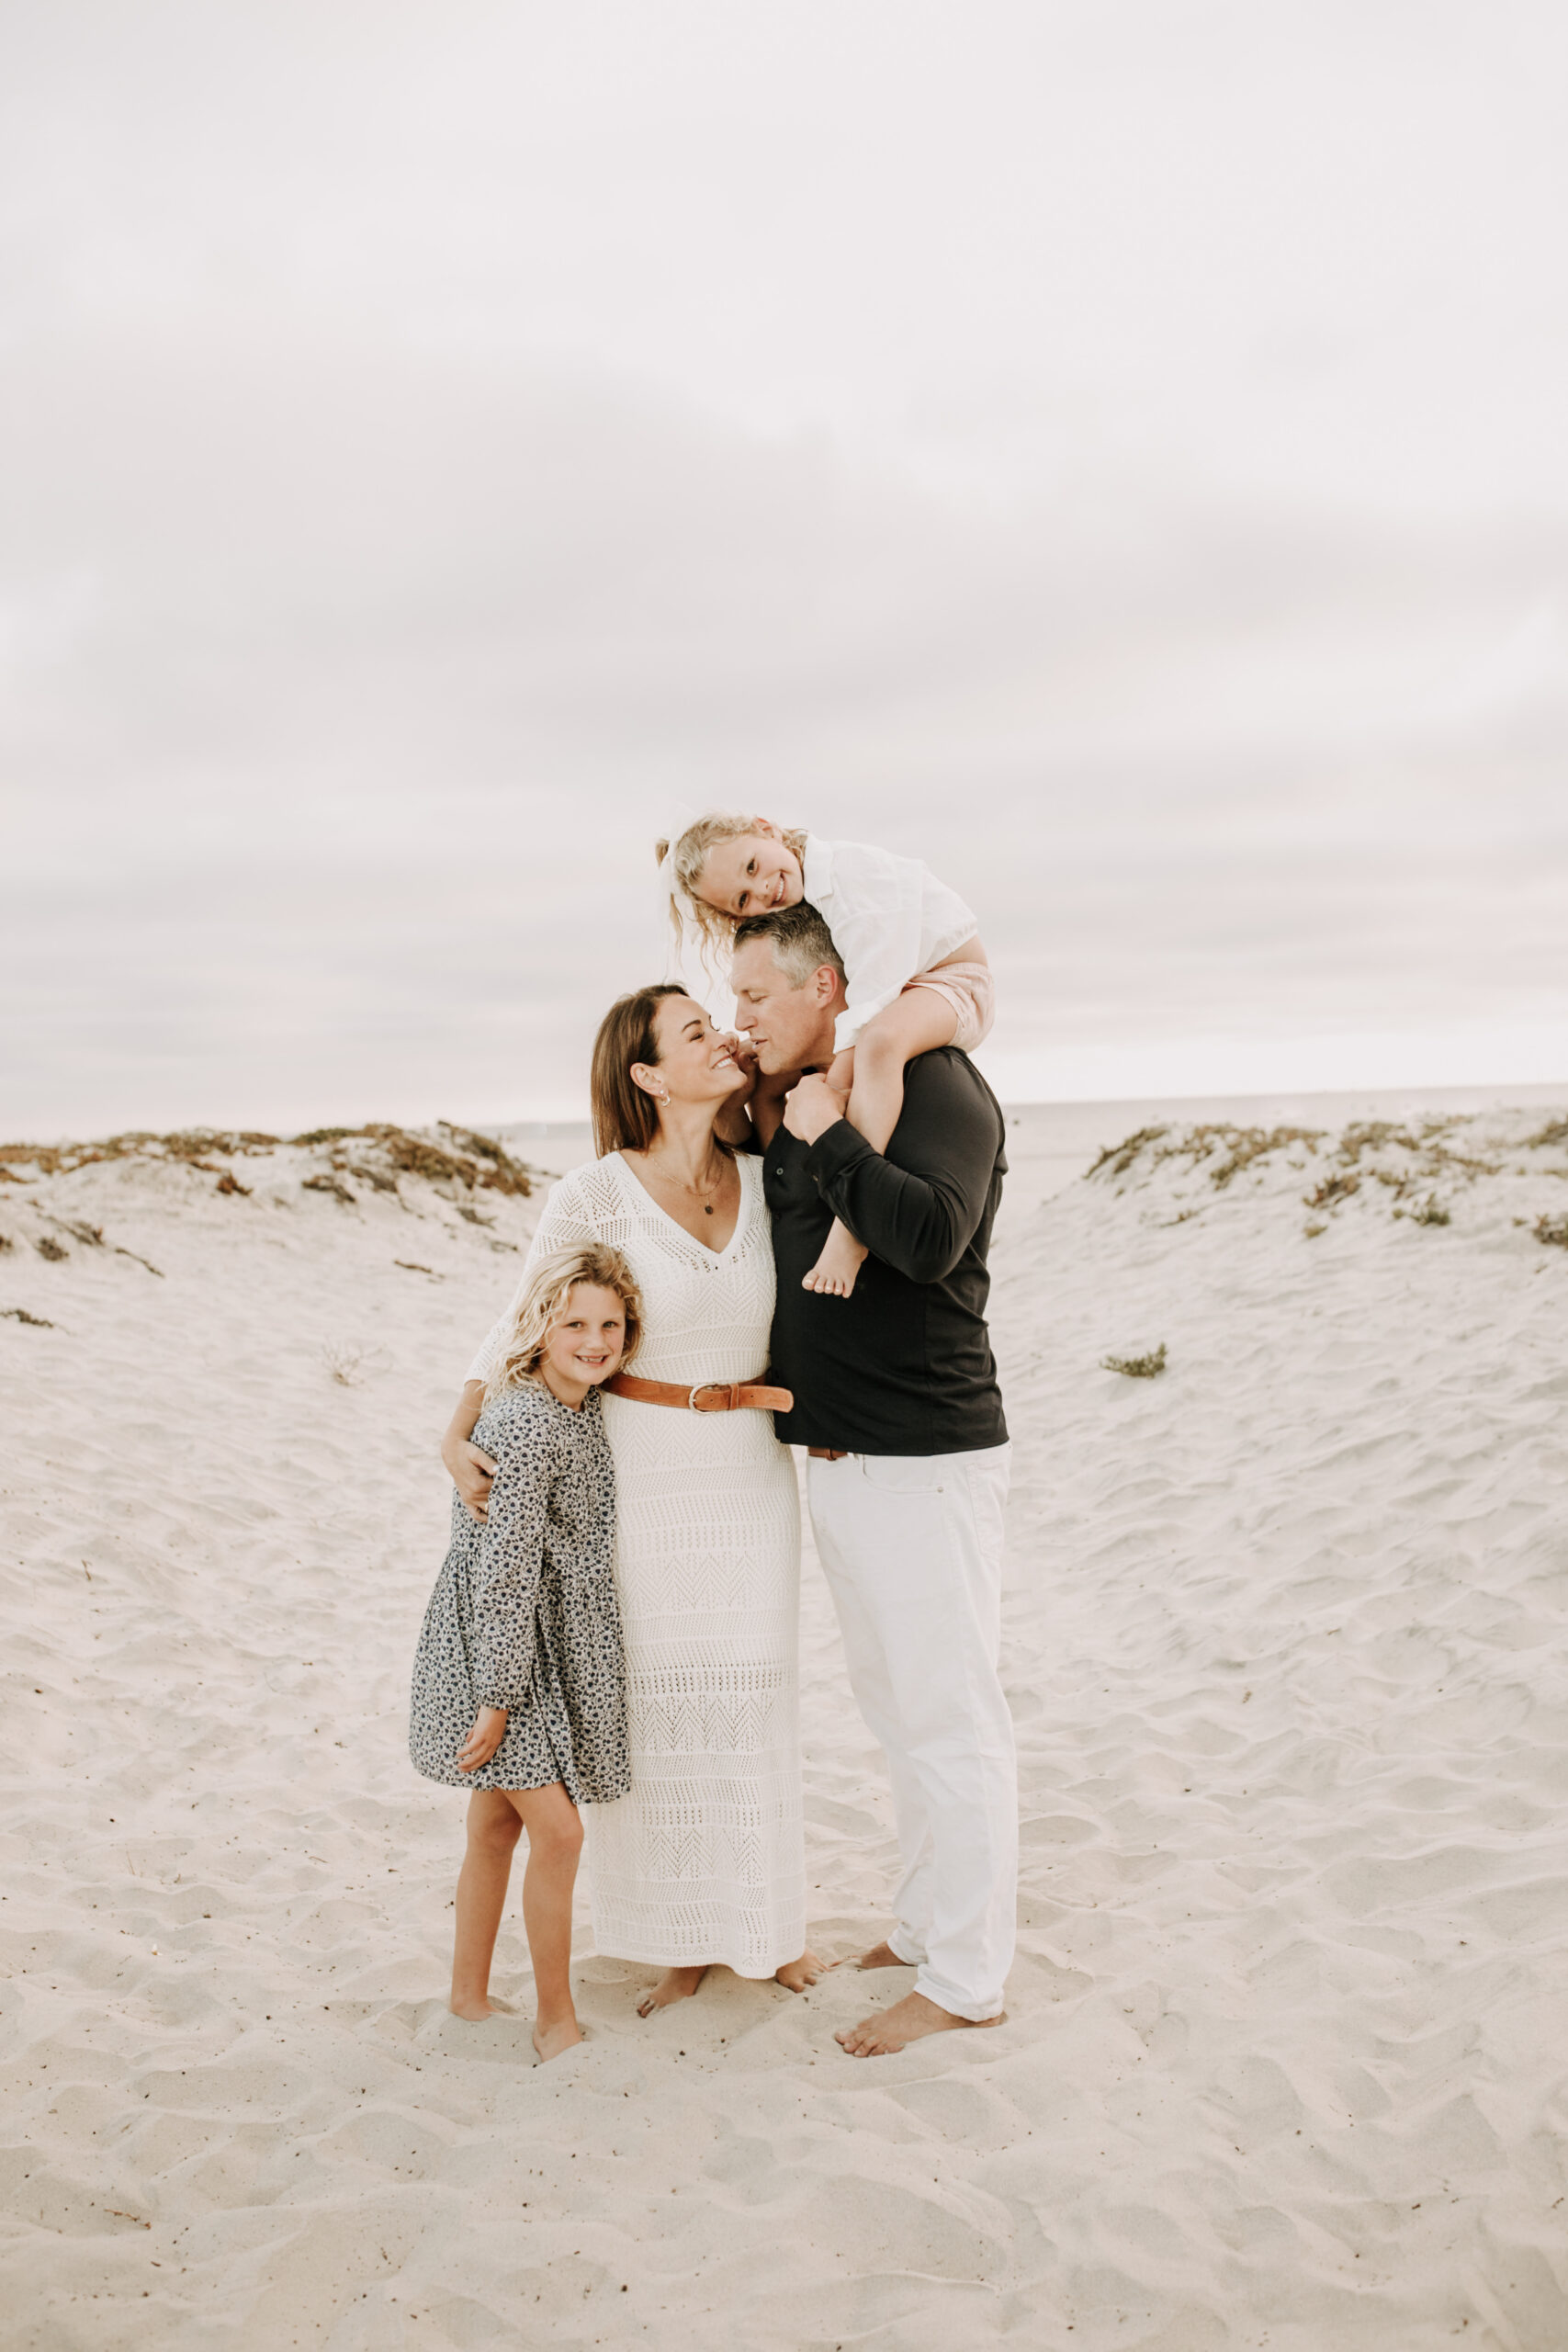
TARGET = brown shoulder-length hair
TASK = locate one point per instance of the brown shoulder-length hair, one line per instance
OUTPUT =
(625, 1118)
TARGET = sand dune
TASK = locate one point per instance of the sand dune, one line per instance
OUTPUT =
(1283, 2065)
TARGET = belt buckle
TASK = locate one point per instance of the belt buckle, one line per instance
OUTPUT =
(699, 1388)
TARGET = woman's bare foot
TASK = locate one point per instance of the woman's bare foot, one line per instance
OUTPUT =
(907, 2020)
(881, 1956)
(675, 1985)
(563, 2033)
(473, 2007)
(835, 1271)
(796, 1974)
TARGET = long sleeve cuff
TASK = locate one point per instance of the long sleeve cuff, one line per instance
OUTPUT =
(835, 1152)
(494, 1686)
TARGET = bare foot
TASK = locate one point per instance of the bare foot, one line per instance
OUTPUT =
(907, 2020)
(796, 1974)
(835, 1271)
(471, 2005)
(675, 1985)
(549, 2040)
(881, 1956)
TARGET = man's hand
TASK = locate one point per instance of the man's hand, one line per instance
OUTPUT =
(485, 1735)
(470, 1470)
(811, 1108)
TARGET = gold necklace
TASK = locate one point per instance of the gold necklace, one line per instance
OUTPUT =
(694, 1190)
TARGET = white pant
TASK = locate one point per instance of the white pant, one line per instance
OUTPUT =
(912, 1549)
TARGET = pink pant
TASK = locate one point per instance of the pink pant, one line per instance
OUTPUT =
(972, 993)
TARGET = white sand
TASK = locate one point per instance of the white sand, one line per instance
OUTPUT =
(1285, 2062)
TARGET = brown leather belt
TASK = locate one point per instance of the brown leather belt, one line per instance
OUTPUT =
(714, 1396)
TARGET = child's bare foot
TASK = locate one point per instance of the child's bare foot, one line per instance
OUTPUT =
(881, 1956)
(907, 2020)
(675, 1985)
(835, 1271)
(796, 1974)
(473, 2007)
(563, 2033)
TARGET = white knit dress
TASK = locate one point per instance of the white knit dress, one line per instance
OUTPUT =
(704, 1860)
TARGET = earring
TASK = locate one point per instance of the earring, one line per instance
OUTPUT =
(664, 1098)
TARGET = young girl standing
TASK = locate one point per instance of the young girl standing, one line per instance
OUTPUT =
(915, 970)
(519, 1686)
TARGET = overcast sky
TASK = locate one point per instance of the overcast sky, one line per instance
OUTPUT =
(1113, 450)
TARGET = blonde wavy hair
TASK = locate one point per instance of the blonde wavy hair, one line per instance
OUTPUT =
(688, 856)
(545, 1301)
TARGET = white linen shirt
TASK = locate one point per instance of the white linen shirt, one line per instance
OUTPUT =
(890, 918)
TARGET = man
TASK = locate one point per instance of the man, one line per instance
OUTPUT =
(898, 1406)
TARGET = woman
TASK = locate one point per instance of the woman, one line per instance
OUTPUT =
(703, 1861)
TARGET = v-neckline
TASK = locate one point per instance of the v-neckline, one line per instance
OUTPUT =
(716, 1256)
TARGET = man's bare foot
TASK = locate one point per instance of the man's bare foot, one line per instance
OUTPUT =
(835, 1271)
(473, 2007)
(796, 1974)
(907, 2020)
(881, 1956)
(549, 2040)
(675, 1985)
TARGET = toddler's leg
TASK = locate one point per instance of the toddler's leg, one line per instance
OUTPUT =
(554, 1843)
(841, 1072)
(494, 1829)
(915, 1023)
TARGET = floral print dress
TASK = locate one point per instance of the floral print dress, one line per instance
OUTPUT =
(525, 1615)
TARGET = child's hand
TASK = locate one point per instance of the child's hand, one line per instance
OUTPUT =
(485, 1735)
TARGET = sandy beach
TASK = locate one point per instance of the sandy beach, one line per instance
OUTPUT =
(1283, 2065)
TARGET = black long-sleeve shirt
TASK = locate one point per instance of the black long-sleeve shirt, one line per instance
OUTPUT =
(903, 1366)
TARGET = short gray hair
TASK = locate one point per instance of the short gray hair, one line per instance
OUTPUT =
(800, 940)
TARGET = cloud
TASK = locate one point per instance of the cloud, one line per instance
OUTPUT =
(435, 450)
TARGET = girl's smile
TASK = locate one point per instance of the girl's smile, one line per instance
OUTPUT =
(753, 874)
(585, 1345)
